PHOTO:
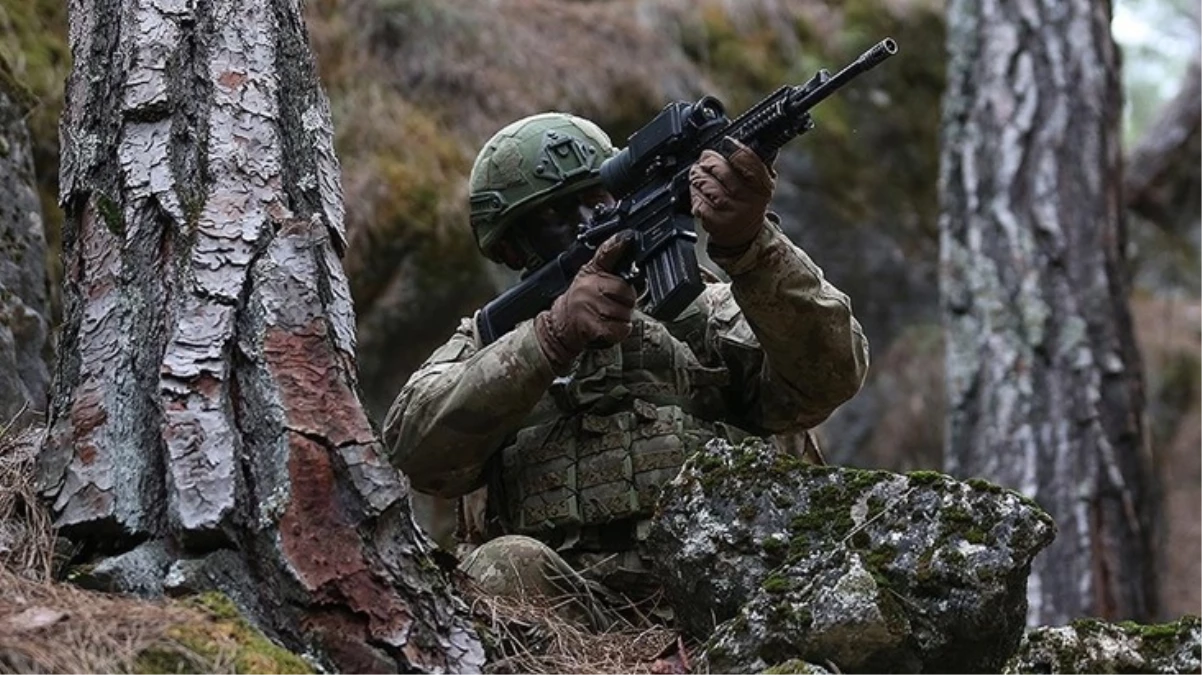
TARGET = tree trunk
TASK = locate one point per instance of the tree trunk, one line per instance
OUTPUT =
(1162, 172)
(206, 422)
(24, 308)
(1044, 381)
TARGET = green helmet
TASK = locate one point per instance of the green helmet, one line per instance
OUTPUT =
(528, 163)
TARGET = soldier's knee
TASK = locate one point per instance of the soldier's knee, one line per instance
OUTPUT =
(514, 566)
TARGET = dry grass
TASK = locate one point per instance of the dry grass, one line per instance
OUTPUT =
(26, 533)
(499, 61)
(58, 628)
(530, 636)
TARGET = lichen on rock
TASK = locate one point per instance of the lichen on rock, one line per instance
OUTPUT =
(1092, 646)
(867, 569)
(25, 341)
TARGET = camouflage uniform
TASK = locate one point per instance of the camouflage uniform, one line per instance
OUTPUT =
(576, 461)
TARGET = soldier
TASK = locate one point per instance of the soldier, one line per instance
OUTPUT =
(567, 426)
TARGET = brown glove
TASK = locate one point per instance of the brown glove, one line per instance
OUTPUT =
(594, 312)
(730, 197)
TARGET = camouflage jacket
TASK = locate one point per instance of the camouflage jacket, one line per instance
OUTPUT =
(773, 351)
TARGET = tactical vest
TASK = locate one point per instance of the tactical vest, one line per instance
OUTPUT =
(602, 441)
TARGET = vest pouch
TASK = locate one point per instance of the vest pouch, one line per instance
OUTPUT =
(595, 469)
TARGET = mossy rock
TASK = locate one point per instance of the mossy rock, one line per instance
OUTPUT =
(223, 641)
(1093, 646)
(867, 569)
(35, 47)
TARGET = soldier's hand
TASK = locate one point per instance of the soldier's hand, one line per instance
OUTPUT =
(730, 197)
(595, 311)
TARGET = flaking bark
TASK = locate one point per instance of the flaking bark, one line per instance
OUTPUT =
(1044, 380)
(206, 398)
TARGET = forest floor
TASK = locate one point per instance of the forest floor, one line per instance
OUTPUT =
(57, 627)
(51, 625)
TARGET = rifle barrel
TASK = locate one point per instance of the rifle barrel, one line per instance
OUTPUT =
(866, 61)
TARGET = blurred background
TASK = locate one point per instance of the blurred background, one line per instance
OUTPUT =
(416, 86)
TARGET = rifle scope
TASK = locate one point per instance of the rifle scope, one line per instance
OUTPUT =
(678, 126)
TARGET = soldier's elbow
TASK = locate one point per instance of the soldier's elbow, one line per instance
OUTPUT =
(438, 478)
(849, 382)
(848, 368)
(437, 486)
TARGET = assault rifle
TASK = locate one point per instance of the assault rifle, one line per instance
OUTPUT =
(649, 179)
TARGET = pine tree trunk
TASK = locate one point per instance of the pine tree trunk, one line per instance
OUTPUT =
(1162, 174)
(1044, 381)
(24, 309)
(205, 408)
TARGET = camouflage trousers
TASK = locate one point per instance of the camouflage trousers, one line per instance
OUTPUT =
(597, 589)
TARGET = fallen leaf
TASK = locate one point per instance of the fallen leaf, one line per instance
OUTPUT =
(33, 618)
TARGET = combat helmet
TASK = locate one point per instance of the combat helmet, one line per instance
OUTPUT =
(528, 163)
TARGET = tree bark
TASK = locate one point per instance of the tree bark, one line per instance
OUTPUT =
(1044, 381)
(24, 307)
(206, 423)
(1162, 172)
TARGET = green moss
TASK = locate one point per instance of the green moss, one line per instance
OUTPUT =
(224, 639)
(859, 480)
(774, 547)
(995, 489)
(828, 512)
(831, 495)
(111, 214)
(1165, 640)
(706, 463)
(881, 557)
(1157, 643)
(783, 464)
(1156, 631)
(926, 477)
(820, 521)
(961, 523)
(954, 557)
(751, 460)
(876, 506)
(985, 486)
(776, 583)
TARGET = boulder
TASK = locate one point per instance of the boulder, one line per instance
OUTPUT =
(24, 308)
(1091, 646)
(773, 559)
